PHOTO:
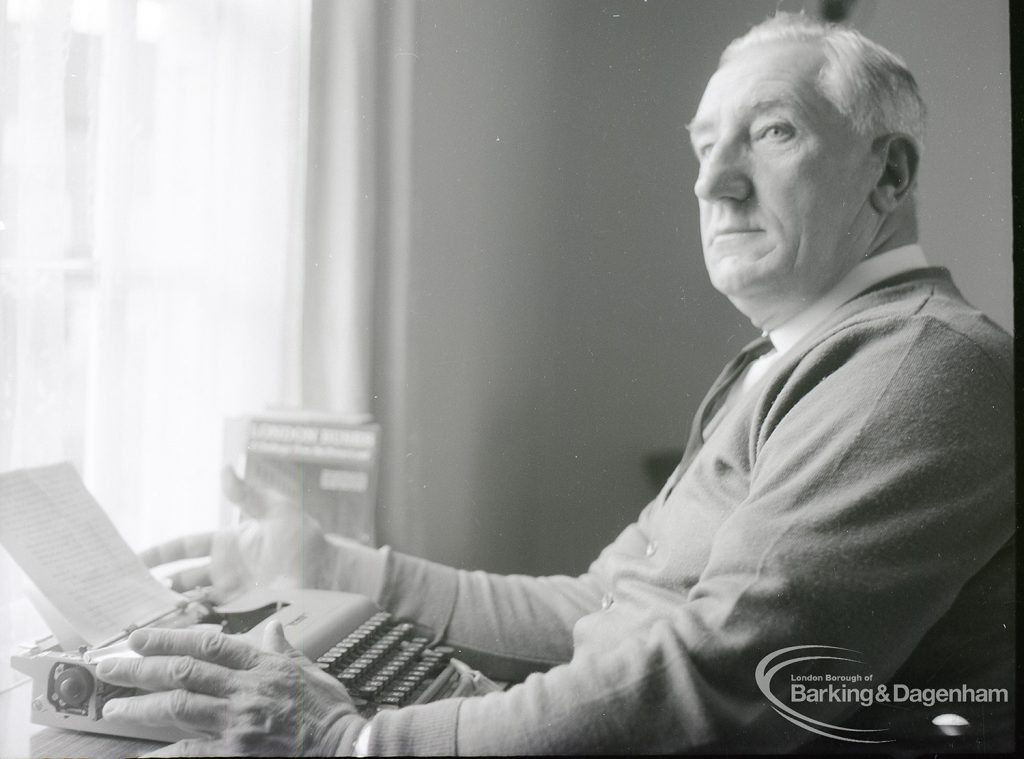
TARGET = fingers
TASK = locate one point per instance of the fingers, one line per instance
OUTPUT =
(254, 501)
(191, 577)
(232, 486)
(184, 547)
(195, 712)
(249, 499)
(274, 640)
(214, 647)
(261, 499)
(168, 673)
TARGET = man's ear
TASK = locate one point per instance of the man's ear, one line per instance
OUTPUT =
(899, 171)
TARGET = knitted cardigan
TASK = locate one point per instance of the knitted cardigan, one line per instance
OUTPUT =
(860, 495)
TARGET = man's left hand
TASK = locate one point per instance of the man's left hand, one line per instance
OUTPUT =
(247, 701)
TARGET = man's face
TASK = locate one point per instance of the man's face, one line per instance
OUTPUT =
(783, 185)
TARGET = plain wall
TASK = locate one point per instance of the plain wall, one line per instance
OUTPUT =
(557, 322)
(960, 54)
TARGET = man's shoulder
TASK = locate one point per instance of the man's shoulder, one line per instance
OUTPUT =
(923, 311)
(910, 363)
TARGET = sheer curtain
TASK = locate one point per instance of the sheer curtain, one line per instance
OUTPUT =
(199, 211)
(152, 200)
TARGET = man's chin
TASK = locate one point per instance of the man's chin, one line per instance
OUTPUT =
(730, 259)
(753, 296)
(739, 279)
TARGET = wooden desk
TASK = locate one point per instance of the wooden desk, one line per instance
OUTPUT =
(20, 739)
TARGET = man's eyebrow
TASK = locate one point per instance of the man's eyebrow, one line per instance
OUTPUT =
(774, 103)
(698, 125)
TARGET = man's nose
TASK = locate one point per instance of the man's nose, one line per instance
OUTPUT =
(724, 174)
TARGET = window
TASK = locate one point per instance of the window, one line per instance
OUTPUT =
(151, 215)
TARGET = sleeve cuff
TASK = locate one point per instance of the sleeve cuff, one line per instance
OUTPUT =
(408, 587)
(421, 590)
(352, 729)
(354, 567)
(362, 744)
(425, 730)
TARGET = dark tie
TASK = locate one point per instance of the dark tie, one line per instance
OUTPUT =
(716, 396)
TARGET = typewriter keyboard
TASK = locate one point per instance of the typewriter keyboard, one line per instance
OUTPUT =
(383, 664)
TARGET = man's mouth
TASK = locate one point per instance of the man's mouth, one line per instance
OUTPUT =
(734, 234)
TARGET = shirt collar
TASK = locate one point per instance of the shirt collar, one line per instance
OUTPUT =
(867, 273)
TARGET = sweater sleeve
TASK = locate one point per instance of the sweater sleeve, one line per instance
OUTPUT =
(881, 481)
(506, 625)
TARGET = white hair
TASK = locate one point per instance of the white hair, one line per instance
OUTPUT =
(867, 84)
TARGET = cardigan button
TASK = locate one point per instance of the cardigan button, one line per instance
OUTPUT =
(606, 601)
(652, 547)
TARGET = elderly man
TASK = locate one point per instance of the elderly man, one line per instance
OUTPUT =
(846, 495)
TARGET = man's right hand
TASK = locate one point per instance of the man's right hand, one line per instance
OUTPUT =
(278, 546)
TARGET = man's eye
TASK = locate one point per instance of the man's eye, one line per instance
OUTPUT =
(776, 132)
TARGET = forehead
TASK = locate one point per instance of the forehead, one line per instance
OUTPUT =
(761, 76)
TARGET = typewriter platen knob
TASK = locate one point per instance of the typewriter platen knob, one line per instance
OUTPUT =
(74, 686)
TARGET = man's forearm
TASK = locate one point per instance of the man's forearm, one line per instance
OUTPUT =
(491, 617)
(353, 567)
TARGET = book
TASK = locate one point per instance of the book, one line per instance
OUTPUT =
(326, 463)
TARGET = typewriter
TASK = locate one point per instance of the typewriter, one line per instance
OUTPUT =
(384, 663)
